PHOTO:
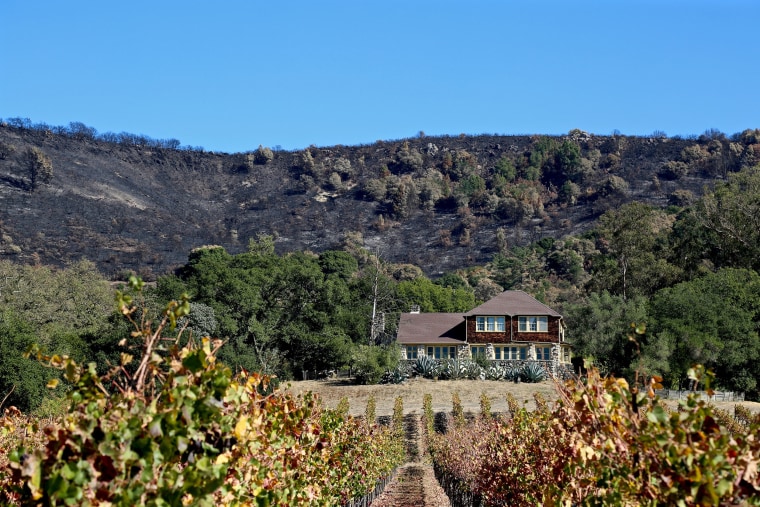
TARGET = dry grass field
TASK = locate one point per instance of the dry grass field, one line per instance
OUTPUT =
(413, 390)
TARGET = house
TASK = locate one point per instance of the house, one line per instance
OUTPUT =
(512, 326)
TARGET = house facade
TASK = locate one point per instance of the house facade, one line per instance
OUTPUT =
(512, 326)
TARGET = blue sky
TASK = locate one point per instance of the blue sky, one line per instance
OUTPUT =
(230, 75)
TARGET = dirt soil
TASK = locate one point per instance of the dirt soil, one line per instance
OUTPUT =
(414, 484)
(413, 390)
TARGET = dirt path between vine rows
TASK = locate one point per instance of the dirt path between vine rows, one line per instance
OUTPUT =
(415, 484)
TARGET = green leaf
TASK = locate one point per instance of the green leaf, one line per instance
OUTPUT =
(194, 362)
(657, 415)
(724, 486)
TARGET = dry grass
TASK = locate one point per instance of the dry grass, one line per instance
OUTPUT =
(412, 391)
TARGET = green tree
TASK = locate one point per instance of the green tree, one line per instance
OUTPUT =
(506, 169)
(280, 314)
(22, 380)
(633, 241)
(598, 328)
(731, 215)
(338, 263)
(434, 298)
(71, 301)
(562, 164)
(712, 320)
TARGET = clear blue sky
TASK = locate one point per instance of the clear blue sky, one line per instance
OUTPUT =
(230, 75)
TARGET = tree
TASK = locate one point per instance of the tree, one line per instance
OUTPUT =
(563, 165)
(633, 241)
(598, 329)
(40, 167)
(712, 320)
(57, 303)
(263, 155)
(338, 263)
(505, 169)
(22, 380)
(434, 298)
(731, 214)
(280, 314)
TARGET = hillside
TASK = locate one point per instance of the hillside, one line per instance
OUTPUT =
(442, 203)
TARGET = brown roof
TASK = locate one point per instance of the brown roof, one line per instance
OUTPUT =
(513, 302)
(431, 328)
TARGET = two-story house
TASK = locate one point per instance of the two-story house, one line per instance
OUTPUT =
(513, 326)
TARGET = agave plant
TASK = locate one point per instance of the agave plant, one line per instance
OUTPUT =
(495, 372)
(533, 372)
(450, 369)
(472, 370)
(512, 372)
(426, 366)
(395, 376)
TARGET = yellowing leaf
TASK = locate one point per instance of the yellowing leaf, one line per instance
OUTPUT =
(241, 427)
(52, 383)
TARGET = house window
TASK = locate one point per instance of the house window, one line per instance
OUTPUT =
(515, 353)
(442, 352)
(411, 351)
(543, 353)
(478, 351)
(497, 353)
(566, 355)
(533, 324)
(489, 324)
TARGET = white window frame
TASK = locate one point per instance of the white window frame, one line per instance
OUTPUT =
(543, 353)
(478, 349)
(533, 324)
(442, 351)
(490, 324)
(516, 353)
(411, 351)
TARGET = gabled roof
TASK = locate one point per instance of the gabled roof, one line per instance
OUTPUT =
(512, 302)
(440, 328)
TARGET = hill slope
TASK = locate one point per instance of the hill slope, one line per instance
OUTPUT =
(440, 203)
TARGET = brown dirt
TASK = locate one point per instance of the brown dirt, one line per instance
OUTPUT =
(415, 484)
(413, 390)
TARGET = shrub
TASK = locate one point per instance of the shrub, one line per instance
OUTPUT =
(532, 372)
(40, 167)
(370, 363)
(262, 155)
(485, 406)
(6, 150)
(457, 412)
(673, 170)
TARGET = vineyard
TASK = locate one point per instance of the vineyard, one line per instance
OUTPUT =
(172, 425)
(603, 443)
